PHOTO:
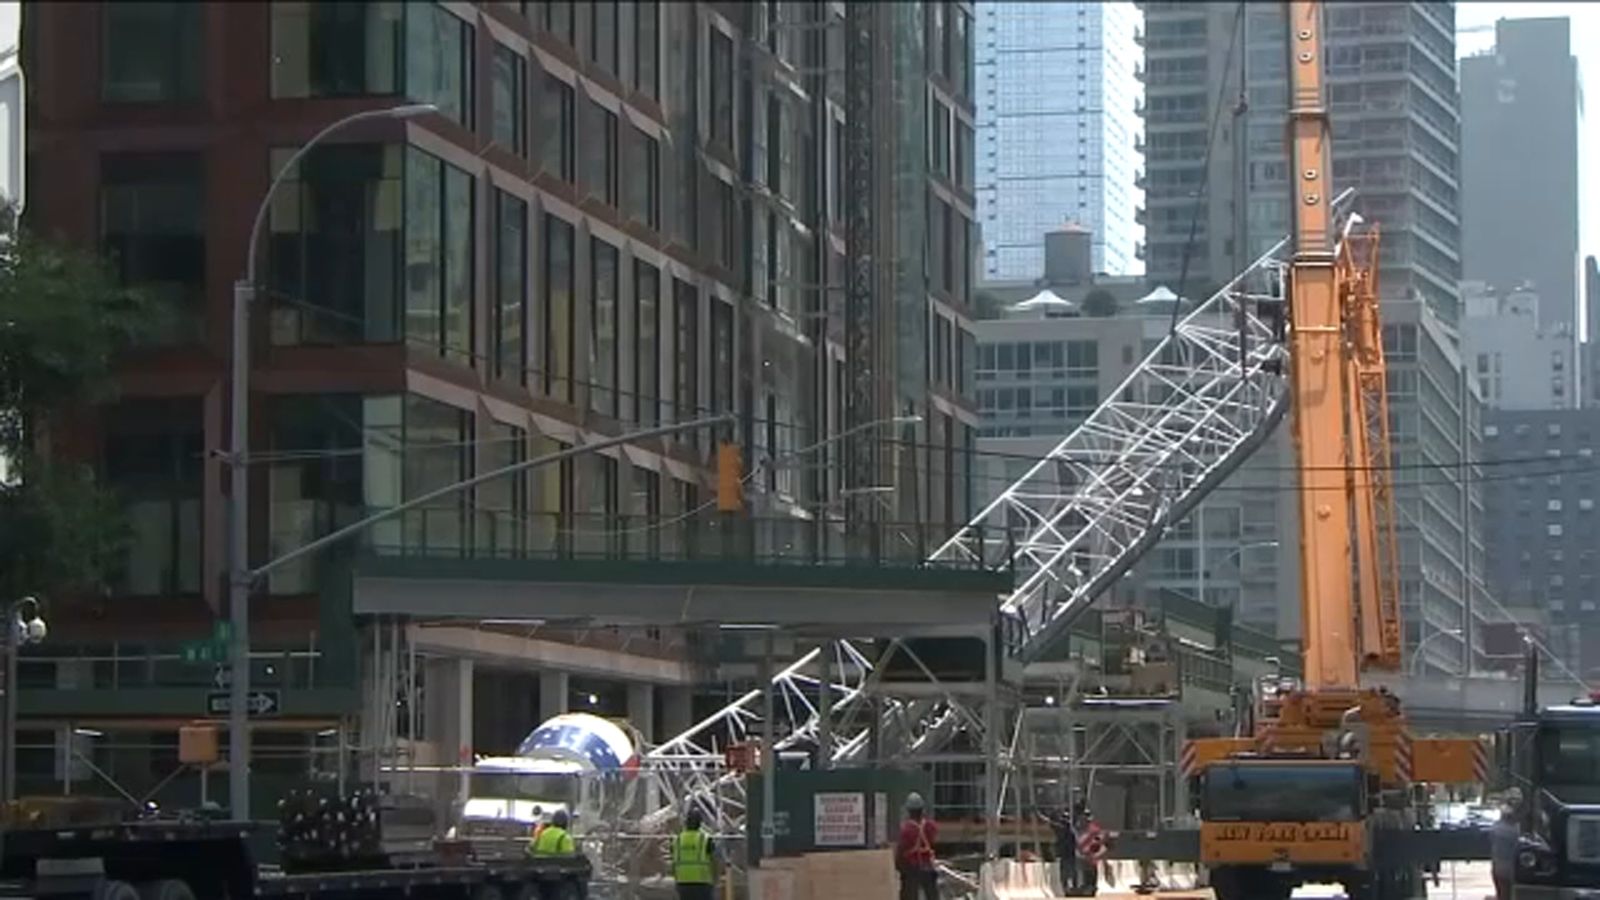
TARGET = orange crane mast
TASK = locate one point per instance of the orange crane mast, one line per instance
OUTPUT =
(1336, 760)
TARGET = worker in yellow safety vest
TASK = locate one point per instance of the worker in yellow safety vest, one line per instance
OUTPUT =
(693, 860)
(553, 839)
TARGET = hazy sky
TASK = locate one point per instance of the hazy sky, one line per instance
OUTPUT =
(1475, 34)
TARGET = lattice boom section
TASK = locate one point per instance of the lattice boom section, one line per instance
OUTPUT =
(1207, 395)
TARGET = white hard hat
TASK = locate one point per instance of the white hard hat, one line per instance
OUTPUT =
(914, 802)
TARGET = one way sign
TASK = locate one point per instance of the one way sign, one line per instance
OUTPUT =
(262, 703)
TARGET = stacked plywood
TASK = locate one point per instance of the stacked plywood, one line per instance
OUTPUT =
(846, 875)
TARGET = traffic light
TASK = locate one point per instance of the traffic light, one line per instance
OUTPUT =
(730, 487)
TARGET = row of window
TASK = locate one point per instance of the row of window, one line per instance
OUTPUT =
(154, 51)
(1062, 359)
(1073, 403)
(336, 458)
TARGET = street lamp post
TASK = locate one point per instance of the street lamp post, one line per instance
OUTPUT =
(1235, 552)
(1416, 655)
(23, 626)
(238, 449)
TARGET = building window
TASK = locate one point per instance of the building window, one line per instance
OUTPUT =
(686, 350)
(502, 503)
(439, 59)
(316, 485)
(721, 356)
(1553, 530)
(602, 155)
(644, 178)
(153, 52)
(962, 41)
(335, 49)
(560, 126)
(558, 283)
(646, 47)
(437, 452)
(939, 137)
(603, 327)
(510, 99)
(154, 457)
(333, 245)
(603, 34)
(721, 86)
(511, 288)
(152, 225)
(646, 330)
(558, 20)
(438, 255)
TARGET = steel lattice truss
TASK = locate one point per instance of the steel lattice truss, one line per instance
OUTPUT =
(1190, 414)
(1207, 395)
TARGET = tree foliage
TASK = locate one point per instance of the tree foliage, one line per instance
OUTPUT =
(64, 320)
(1100, 303)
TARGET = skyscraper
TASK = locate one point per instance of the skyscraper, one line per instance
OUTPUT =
(1521, 108)
(1059, 137)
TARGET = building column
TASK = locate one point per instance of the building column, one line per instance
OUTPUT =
(677, 710)
(642, 709)
(450, 699)
(555, 693)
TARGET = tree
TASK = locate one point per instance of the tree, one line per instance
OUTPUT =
(1100, 303)
(65, 321)
(987, 304)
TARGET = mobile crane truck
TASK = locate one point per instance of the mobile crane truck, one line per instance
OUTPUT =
(1323, 789)
(1552, 757)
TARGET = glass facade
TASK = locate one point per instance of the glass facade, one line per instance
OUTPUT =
(152, 226)
(152, 52)
(155, 471)
(336, 49)
(333, 245)
(1058, 132)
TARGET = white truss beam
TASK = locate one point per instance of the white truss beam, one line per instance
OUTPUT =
(1189, 415)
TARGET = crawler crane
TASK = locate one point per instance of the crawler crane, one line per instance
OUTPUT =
(1321, 791)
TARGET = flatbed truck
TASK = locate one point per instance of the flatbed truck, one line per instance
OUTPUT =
(179, 860)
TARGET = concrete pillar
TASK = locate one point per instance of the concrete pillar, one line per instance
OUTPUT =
(450, 699)
(642, 709)
(677, 711)
(555, 693)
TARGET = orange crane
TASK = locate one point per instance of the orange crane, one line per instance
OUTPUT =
(1330, 767)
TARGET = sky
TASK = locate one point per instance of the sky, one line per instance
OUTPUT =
(1475, 34)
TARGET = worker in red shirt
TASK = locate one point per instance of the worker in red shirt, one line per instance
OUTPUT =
(914, 854)
(1092, 852)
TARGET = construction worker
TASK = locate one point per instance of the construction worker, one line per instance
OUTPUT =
(1066, 850)
(693, 860)
(914, 854)
(554, 839)
(1503, 837)
(1091, 851)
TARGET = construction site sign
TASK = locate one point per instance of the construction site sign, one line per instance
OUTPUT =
(840, 819)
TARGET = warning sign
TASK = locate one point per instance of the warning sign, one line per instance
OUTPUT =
(840, 819)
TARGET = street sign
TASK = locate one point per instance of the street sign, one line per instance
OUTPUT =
(210, 650)
(261, 703)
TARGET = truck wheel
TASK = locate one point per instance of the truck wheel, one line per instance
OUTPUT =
(166, 889)
(114, 890)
